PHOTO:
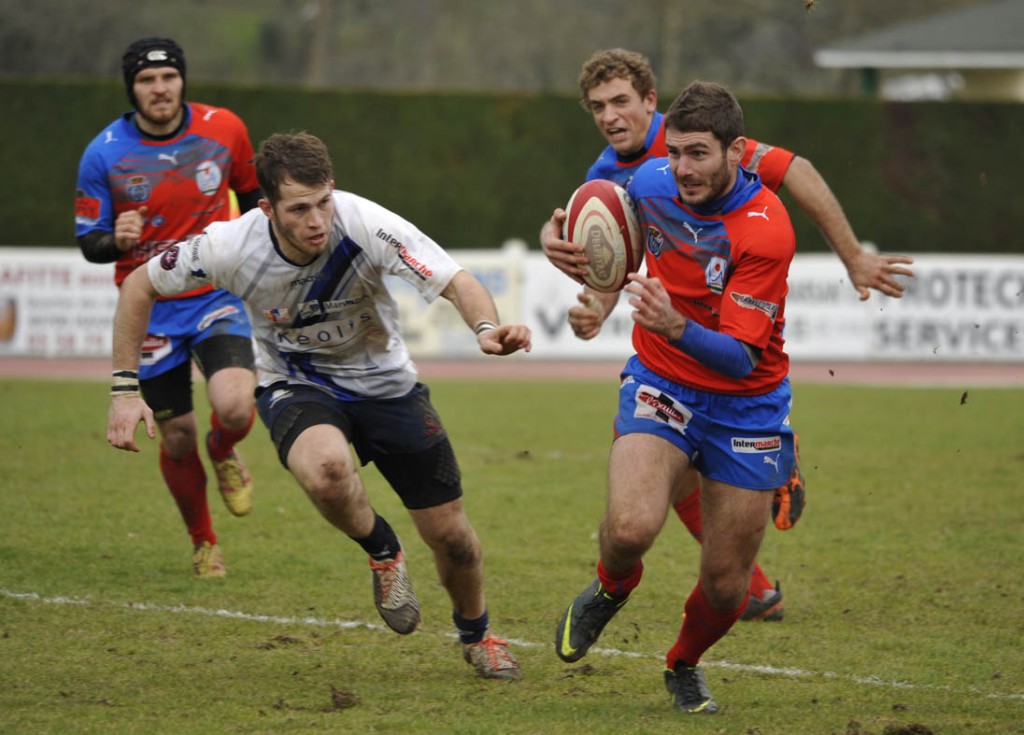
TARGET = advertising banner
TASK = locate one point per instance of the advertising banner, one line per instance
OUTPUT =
(958, 308)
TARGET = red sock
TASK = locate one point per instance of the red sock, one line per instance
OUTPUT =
(759, 582)
(688, 510)
(702, 627)
(620, 587)
(186, 480)
(223, 440)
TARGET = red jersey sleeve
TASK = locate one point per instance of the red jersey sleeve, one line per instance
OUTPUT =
(767, 161)
(228, 129)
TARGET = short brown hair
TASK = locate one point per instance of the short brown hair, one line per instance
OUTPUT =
(616, 63)
(301, 157)
(706, 107)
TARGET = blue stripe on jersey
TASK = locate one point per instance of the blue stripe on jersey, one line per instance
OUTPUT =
(300, 364)
(329, 285)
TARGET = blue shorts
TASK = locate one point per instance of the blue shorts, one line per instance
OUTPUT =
(743, 441)
(177, 325)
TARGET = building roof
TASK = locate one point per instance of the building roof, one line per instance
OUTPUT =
(988, 36)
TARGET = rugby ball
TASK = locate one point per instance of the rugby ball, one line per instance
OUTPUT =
(601, 218)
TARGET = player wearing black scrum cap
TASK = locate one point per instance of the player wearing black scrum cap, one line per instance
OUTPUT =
(160, 173)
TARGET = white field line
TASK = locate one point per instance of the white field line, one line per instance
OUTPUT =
(353, 624)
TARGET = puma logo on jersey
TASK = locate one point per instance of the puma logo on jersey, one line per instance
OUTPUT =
(210, 113)
(774, 462)
(695, 233)
(762, 213)
(172, 157)
(110, 137)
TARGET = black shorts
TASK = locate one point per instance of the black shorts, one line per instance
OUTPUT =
(403, 436)
(169, 394)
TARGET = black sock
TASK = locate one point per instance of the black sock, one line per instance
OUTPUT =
(382, 543)
(471, 631)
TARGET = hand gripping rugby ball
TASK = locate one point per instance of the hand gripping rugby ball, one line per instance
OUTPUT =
(601, 218)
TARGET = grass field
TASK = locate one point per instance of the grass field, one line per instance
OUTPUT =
(905, 610)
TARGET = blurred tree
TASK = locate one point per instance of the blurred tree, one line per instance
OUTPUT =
(754, 46)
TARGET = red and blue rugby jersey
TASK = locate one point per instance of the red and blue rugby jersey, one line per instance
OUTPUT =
(726, 271)
(183, 181)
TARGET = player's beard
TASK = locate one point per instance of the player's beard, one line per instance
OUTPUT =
(717, 183)
(162, 117)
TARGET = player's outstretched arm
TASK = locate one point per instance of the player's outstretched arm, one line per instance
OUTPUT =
(564, 255)
(476, 306)
(131, 319)
(867, 270)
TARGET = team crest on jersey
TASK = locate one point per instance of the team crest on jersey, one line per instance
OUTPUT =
(277, 315)
(138, 189)
(715, 274)
(655, 241)
(208, 177)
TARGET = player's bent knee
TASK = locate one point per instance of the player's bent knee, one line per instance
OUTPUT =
(628, 538)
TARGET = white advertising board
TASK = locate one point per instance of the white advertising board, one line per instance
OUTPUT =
(958, 308)
(55, 304)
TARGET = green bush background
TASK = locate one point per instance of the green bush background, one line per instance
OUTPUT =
(475, 170)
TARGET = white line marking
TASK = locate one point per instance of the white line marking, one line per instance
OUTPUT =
(353, 624)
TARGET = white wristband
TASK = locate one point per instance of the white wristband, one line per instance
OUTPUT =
(483, 326)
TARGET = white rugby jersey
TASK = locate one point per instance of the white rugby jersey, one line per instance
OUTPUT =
(332, 323)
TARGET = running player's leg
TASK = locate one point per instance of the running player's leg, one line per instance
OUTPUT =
(424, 473)
(169, 395)
(311, 432)
(222, 348)
(765, 598)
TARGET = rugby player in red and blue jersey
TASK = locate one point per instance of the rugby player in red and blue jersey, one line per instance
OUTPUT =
(158, 174)
(618, 88)
(707, 389)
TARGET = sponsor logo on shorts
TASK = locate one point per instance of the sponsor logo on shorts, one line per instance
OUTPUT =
(756, 445)
(749, 302)
(279, 395)
(652, 404)
(222, 313)
(155, 347)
